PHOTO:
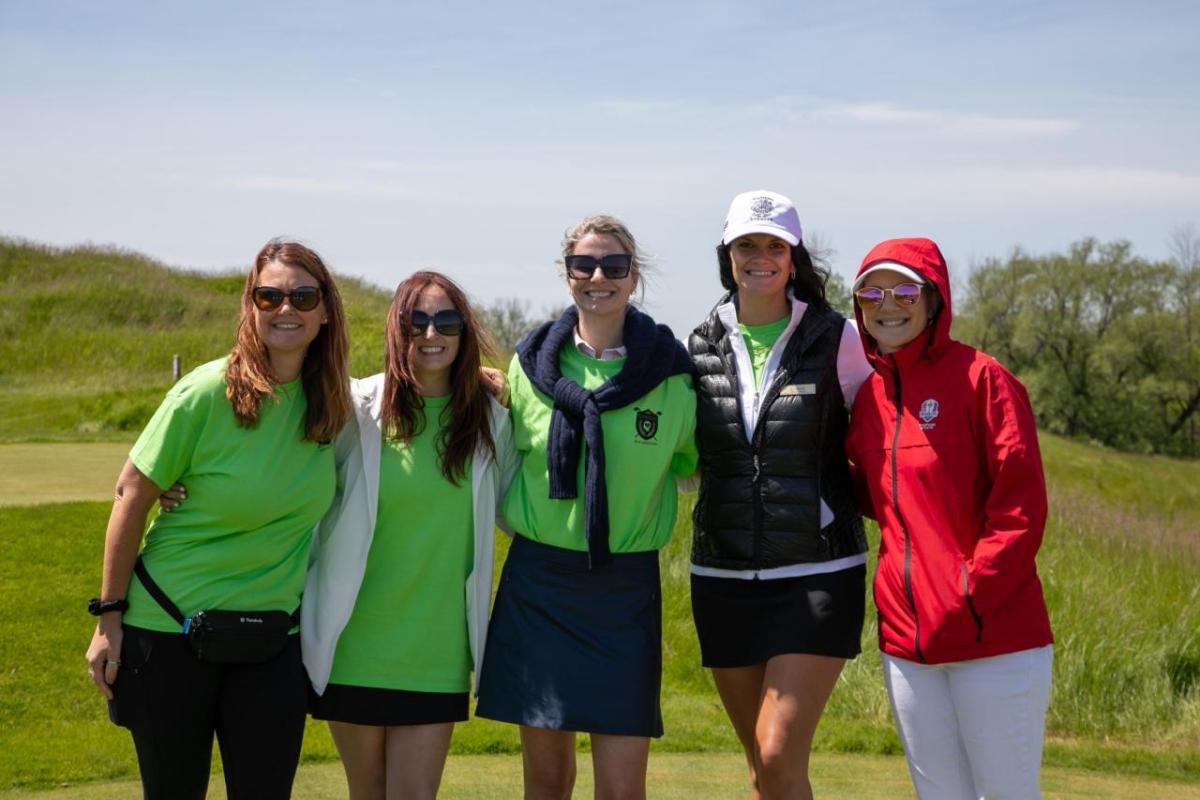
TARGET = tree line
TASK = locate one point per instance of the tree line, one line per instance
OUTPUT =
(1106, 342)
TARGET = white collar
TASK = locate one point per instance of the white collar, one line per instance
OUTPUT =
(608, 354)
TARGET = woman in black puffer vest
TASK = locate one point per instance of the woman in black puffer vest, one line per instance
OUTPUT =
(778, 551)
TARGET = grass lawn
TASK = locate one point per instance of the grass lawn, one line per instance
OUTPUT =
(32, 474)
(1125, 702)
(679, 776)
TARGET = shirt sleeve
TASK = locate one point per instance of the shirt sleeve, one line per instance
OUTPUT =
(1015, 507)
(686, 456)
(519, 391)
(852, 365)
(164, 450)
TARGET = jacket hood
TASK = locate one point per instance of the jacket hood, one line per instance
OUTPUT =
(923, 257)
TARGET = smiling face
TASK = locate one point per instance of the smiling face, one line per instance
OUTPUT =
(761, 264)
(598, 296)
(287, 331)
(431, 353)
(892, 326)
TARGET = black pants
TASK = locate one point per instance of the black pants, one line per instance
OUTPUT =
(173, 703)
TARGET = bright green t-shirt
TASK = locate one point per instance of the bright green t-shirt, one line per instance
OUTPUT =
(241, 540)
(646, 443)
(759, 341)
(409, 625)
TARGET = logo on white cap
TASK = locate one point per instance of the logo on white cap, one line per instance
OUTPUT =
(762, 208)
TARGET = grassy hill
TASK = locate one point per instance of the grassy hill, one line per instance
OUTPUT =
(86, 355)
(87, 336)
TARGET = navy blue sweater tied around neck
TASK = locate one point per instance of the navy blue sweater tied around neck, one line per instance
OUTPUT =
(654, 354)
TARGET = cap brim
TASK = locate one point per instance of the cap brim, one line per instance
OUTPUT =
(890, 266)
(767, 228)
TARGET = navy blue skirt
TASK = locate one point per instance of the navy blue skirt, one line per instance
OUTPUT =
(574, 649)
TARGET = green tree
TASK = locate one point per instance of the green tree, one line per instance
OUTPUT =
(1103, 339)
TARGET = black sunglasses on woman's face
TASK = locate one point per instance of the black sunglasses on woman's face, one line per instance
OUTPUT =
(615, 266)
(447, 322)
(302, 298)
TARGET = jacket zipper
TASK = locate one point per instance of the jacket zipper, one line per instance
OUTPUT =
(971, 605)
(908, 590)
(780, 377)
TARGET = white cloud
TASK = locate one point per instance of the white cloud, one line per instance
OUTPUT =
(1085, 186)
(948, 121)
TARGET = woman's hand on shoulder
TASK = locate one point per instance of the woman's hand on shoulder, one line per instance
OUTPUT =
(496, 383)
(172, 498)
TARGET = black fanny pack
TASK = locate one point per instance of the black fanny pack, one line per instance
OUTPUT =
(227, 637)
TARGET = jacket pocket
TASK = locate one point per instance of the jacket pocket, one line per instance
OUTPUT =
(966, 587)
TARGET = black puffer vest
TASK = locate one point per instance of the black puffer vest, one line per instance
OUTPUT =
(758, 506)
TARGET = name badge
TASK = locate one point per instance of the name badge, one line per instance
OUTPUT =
(798, 388)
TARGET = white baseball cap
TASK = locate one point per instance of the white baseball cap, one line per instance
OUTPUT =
(893, 266)
(762, 212)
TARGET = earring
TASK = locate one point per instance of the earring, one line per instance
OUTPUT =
(793, 274)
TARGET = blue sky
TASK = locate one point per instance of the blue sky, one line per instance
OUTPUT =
(466, 137)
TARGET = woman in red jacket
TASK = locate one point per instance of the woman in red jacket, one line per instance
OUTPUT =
(943, 438)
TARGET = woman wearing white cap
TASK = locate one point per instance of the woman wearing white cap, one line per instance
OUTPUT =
(778, 550)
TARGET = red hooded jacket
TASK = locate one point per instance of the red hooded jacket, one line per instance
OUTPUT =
(943, 437)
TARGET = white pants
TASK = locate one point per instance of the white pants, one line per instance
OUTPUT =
(972, 730)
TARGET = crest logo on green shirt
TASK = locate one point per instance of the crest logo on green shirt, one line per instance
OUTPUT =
(646, 423)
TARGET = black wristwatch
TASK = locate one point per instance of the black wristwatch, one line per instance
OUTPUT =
(96, 606)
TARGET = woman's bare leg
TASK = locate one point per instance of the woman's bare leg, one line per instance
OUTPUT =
(619, 765)
(548, 758)
(741, 690)
(362, 750)
(416, 757)
(795, 691)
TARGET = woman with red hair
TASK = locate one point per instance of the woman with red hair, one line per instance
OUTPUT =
(251, 433)
(396, 607)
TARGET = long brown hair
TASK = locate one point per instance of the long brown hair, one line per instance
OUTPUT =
(465, 422)
(325, 373)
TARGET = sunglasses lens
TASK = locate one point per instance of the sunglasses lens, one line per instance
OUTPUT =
(449, 322)
(580, 267)
(267, 298)
(420, 321)
(906, 294)
(305, 298)
(616, 265)
(869, 297)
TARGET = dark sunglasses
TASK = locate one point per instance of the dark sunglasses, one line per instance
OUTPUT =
(447, 322)
(905, 294)
(614, 266)
(302, 298)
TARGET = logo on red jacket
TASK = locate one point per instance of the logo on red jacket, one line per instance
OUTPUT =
(928, 413)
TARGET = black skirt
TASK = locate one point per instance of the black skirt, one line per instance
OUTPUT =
(574, 649)
(364, 705)
(741, 623)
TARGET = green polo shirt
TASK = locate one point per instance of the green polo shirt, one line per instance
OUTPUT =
(646, 444)
(241, 540)
(409, 625)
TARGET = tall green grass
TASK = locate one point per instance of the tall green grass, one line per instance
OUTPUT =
(87, 336)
